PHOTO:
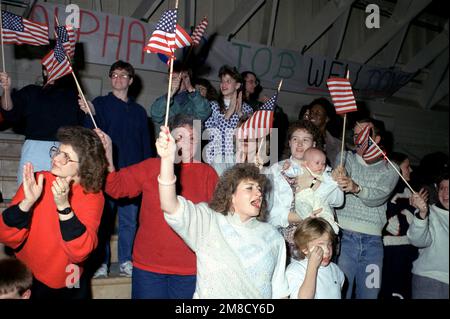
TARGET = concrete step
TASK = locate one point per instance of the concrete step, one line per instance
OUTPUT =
(114, 250)
(112, 287)
(8, 186)
(11, 144)
(9, 165)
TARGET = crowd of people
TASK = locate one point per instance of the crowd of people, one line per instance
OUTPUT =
(214, 220)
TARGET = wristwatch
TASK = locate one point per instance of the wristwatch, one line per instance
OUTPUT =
(65, 211)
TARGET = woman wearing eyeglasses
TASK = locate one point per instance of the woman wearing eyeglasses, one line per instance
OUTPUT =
(53, 219)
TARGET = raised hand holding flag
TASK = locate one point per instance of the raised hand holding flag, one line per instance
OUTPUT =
(163, 40)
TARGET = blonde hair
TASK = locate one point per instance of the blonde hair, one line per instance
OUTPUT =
(310, 229)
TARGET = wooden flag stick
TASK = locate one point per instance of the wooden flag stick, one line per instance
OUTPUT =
(80, 91)
(343, 129)
(279, 85)
(166, 121)
(169, 89)
(389, 161)
(343, 139)
(3, 50)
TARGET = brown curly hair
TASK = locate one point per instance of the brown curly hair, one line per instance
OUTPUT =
(91, 154)
(310, 229)
(228, 183)
(308, 127)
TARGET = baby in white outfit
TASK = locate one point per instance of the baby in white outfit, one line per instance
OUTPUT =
(306, 200)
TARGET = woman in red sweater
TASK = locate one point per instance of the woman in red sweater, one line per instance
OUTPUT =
(164, 267)
(53, 219)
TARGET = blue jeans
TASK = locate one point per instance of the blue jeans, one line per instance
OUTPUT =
(361, 260)
(428, 288)
(127, 224)
(151, 285)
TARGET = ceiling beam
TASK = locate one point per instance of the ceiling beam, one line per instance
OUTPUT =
(436, 73)
(404, 12)
(145, 9)
(441, 91)
(336, 35)
(429, 53)
(270, 14)
(239, 17)
(320, 23)
(392, 50)
(189, 13)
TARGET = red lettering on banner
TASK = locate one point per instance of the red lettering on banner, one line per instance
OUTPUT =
(105, 39)
(141, 41)
(97, 24)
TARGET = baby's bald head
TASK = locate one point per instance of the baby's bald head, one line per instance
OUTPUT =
(315, 159)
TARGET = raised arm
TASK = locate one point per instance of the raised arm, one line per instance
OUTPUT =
(5, 82)
(165, 145)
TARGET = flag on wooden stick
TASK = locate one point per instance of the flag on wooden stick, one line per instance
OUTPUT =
(342, 95)
(66, 34)
(366, 146)
(56, 63)
(168, 35)
(18, 30)
(260, 123)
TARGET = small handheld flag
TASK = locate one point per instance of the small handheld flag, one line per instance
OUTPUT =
(342, 95)
(260, 123)
(17, 30)
(199, 31)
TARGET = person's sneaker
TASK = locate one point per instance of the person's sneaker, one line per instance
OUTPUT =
(102, 272)
(126, 269)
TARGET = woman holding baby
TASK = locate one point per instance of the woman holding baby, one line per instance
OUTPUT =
(290, 176)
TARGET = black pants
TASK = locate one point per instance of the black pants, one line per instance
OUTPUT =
(397, 266)
(40, 291)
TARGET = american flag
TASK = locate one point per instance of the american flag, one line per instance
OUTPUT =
(182, 39)
(199, 30)
(168, 35)
(342, 95)
(260, 123)
(56, 63)
(372, 152)
(17, 30)
(66, 34)
(362, 139)
(369, 150)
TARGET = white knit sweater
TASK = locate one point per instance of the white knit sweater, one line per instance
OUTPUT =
(234, 259)
(431, 236)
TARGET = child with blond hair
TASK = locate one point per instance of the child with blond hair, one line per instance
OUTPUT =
(314, 276)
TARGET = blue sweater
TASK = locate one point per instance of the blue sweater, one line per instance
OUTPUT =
(126, 124)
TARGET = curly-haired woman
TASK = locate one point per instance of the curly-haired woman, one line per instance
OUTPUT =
(53, 219)
(238, 255)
